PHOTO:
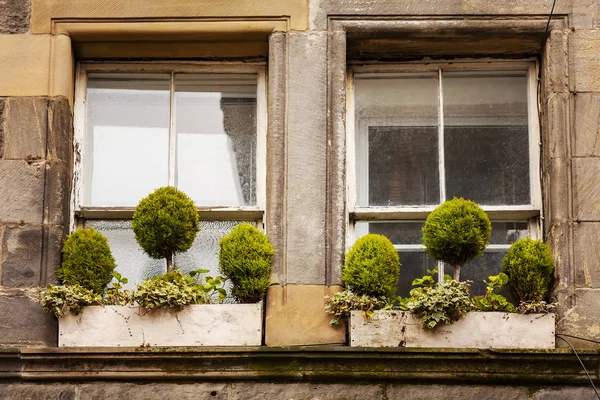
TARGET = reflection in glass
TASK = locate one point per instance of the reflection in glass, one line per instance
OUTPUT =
(215, 118)
(486, 143)
(126, 139)
(397, 139)
(135, 265)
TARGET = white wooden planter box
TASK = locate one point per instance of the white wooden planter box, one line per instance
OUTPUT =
(196, 325)
(478, 330)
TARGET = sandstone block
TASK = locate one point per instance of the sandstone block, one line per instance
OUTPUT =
(586, 191)
(14, 16)
(133, 391)
(1, 127)
(22, 255)
(58, 192)
(24, 324)
(29, 391)
(296, 316)
(480, 392)
(259, 391)
(582, 320)
(22, 194)
(306, 158)
(555, 65)
(564, 393)
(585, 60)
(60, 137)
(586, 262)
(587, 125)
(26, 127)
(25, 65)
(54, 236)
(556, 126)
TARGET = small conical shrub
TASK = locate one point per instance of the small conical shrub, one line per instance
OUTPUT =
(87, 261)
(245, 258)
(372, 267)
(165, 223)
(529, 266)
(456, 232)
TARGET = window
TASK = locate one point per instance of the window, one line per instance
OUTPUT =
(421, 134)
(200, 128)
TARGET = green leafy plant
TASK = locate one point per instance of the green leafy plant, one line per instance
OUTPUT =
(245, 258)
(372, 267)
(87, 261)
(340, 304)
(456, 232)
(61, 299)
(165, 223)
(439, 304)
(492, 301)
(115, 295)
(211, 288)
(529, 266)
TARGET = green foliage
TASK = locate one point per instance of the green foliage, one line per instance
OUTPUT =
(165, 223)
(436, 304)
(340, 304)
(372, 267)
(538, 307)
(492, 301)
(529, 266)
(62, 299)
(115, 295)
(245, 258)
(456, 232)
(211, 288)
(87, 261)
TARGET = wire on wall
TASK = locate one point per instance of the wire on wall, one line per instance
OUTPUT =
(559, 336)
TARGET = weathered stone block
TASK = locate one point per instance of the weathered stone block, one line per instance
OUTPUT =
(306, 158)
(564, 393)
(585, 14)
(15, 16)
(480, 392)
(585, 60)
(1, 127)
(558, 237)
(586, 191)
(556, 126)
(22, 255)
(60, 136)
(587, 125)
(29, 391)
(582, 320)
(26, 127)
(259, 391)
(587, 264)
(295, 315)
(58, 192)
(24, 324)
(555, 63)
(54, 236)
(133, 391)
(22, 194)
(556, 187)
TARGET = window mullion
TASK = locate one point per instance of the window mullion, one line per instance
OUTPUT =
(441, 160)
(172, 137)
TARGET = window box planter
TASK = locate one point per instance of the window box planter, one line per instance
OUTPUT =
(479, 330)
(196, 325)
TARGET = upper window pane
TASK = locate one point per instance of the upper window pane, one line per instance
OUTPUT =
(126, 139)
(486, 144)
(397, 139)
(216, 138)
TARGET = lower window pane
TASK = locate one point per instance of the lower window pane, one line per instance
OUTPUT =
(136, 266)
(490, 263)
(414, 265)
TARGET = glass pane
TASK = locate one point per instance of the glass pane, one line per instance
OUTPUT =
(508, 232)
(126, 140)
(216, 138)
(486, 137)
(136, 266)
(397, 139)
(490, 263)
(399, 232)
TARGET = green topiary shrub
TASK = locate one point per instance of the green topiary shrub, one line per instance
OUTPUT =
(165, 223)
(372, 267)
(529, 266)
(87, 261)
(456, 232)
(245, 258)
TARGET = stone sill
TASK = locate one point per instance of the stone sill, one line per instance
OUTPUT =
(315, 363)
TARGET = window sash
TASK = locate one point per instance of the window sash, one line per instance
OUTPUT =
(248, 213)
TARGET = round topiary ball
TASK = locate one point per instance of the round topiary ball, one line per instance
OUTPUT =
(165, 223)
(456, 232)
(245, 258)
(372, 267)
(529, 266)
(87, 261)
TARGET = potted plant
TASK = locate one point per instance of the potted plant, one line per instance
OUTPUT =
(172, 309)
(443, 314)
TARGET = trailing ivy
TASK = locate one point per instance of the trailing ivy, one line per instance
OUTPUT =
(340, 304)
(61, 299)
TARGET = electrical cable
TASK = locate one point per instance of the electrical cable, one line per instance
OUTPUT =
(578, 338)
(550, 17)
(558, 335)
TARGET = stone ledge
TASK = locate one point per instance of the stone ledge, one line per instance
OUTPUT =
(336, 363)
